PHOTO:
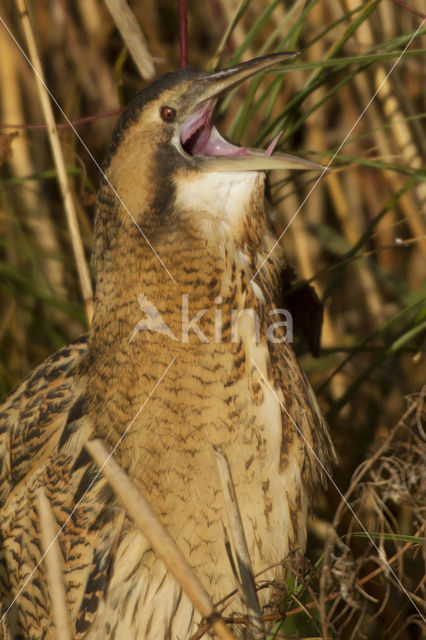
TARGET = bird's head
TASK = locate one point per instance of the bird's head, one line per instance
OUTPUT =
(168, 160)
(176, 111)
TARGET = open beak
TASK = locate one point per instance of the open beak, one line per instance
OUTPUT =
(201, 140)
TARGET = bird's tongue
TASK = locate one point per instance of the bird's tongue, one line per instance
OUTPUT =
(273, 144)
(218, 146)
(215, 145)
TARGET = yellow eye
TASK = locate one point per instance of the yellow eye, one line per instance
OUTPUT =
(168, 113)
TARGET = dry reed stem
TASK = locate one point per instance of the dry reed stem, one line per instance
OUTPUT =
(91, 16)
(34, 210)
(54, 565)
(346, 218)
(408, 150)
(255, 628)
(238, 34)
(400, 129)
(231, 14)
(352, 224)
(133, 37)
(162, 543)
(77, 244)
(91, 65)
(315, 126)
(394, 181)
(304, 246)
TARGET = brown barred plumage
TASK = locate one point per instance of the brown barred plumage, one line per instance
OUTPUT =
(211, 228)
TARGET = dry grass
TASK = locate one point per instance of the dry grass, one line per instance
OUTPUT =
(359, 235)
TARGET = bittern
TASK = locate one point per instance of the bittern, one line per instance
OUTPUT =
(182, 226)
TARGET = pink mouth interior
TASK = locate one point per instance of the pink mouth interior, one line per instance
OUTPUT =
(199, 137)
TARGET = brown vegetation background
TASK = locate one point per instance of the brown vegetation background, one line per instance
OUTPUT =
(359, 237)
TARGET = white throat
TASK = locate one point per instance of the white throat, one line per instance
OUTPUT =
(219, 201)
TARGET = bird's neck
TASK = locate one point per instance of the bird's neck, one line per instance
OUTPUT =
(150, 289)
(137, 285)
(193, 250)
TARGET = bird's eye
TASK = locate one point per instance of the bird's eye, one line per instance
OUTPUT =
(168, 113)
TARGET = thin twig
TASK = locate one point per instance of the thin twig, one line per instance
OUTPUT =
(255, 628)
(64, 125)
(273, 617)
(163, 544)
(410, 8)
(133, 36)
(183, 33)
(77, 244)
(362, 470)
(54, 566)
(356, 478)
